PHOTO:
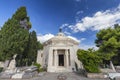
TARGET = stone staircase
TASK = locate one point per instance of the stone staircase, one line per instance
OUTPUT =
(62, 69)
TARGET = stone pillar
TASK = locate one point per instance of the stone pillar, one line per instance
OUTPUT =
(56, 58)
(50, 57)
(67, 61)
(53, 60)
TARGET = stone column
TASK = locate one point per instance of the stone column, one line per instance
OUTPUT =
(56, 58)
(53, 60)
(50, 57)
(67, 61)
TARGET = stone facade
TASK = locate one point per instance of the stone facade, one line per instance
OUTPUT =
(59, 54)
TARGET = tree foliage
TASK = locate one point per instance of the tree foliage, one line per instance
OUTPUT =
(90, 59)
(29, 55)
(15, 38)
(21, 16)
(32, 47)
(108, 41)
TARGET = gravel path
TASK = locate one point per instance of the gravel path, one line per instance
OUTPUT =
(54, 76)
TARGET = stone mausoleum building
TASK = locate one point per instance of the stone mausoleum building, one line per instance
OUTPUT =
(59, 54)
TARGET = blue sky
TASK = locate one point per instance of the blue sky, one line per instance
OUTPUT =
(80, 19)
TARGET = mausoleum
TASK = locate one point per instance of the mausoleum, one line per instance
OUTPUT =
(59, 54)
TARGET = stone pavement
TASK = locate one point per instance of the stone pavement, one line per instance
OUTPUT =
(54, 76)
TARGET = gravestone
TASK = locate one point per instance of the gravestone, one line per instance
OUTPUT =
(12, 64)
(1, 64)
(6, 64)
(10, 69)
(112, 66)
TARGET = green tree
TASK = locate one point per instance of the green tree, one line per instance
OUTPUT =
(108, 41)
(21, 16)
(13, 39)
(32, 48)
(14, 35)
(29, 55)
(90, 59)
(40, 46)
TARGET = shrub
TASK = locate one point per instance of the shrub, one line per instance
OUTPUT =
(39, 67)
(90, 60)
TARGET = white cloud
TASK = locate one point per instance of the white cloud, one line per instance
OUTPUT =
(43, 38)
(67, 33)
(74, 38)
(100, 20)
(82, 39)
(86, 47)
(78, 40)
(64, 25)
(80, 12)
(82, 45)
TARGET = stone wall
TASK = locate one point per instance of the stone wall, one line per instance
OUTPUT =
(95, 75)
(39, 57)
